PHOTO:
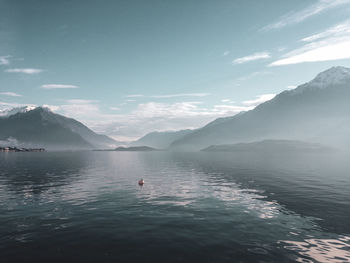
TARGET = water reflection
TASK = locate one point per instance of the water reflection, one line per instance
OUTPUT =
(218, 208)
(321, 250)
(313, 185)
(34, 173)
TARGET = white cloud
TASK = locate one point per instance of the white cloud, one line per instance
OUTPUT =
(52, 107)
(227, 101)
(81, 101)
(226, 53)
(81, 109)
(253, 57)
(11, 94)
(165, 96)
(290, 87)
(293, 17)
(229, 110)
(114, 108)
(180, 95)
(253, 75)
(24, 70)
(260, 99)
(4, 60)
(151, 116)
(58, 86)
(339, 30)
(134, 96)
(331, 44)
(6, 105)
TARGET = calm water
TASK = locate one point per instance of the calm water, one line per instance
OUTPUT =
(194, 207)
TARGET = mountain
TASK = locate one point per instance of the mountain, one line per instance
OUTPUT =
(135, 149)
(268, 146)
(317, 111)
(13, 111)
(40, 127)
(160, 140)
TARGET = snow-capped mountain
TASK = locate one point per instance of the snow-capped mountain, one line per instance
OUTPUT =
(317, 111)
(335, 76)
(40, 127)
(12, 111)
(332, 76)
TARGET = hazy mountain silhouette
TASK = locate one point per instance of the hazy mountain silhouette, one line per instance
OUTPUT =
(135, 149)
(268, 146)
(317, 111)
(160, 140)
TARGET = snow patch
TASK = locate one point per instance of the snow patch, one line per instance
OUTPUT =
(332, 76)
(9, 112)
(326, 79)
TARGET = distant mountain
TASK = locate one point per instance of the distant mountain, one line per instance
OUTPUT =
(40, 127)
(135, 149)
(318, 111)
(268, 146)
(160, 140)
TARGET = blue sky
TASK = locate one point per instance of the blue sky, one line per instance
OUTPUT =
(126, 68)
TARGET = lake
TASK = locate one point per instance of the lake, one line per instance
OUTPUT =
(194, 207)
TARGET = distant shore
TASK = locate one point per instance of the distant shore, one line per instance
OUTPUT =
(15, 149)
(132, 149)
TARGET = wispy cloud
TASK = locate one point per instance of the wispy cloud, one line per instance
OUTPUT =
(4, 60)
(114, 108)
(134, 96)
(165, 96)
(230, 110)
(334, 51)
(226, 53)
(296, 17)
(24, 70)
(58, 86)
(82, 109)
(331, 44)
(181, 95)
(81, 101)
(342, 29)
(51, 107)
(252, 57)
(11, 94)
(260, 99)
(253, 75)
(227, 101)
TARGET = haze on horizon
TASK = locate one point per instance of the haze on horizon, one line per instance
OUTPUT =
(128, 68)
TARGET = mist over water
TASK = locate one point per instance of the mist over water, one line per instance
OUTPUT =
(194, 207)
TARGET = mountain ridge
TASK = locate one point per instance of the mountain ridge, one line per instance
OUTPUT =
(160, 140)
(310, 112)
(268, 146)
(39, 126)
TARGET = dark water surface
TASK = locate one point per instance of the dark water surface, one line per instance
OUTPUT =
(194, 207)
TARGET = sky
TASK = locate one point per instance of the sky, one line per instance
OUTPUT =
(126, 68)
